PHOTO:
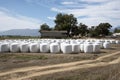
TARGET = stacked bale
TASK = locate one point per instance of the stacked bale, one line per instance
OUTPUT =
(117, 42)
(96, 47)
(14, 47)
(75, 48)
(67, 48)
(44, 47)
(4, 47)
(24, 47)
(54, 48)
(106, 45)
(82, 47)
(55, 45)
(34, 47)
(88, 48)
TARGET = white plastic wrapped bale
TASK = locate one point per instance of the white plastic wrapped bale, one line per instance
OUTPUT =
(34, 47)
(100, 43)
(14, 47)
(67, 48)
(44, 47)
(96, 47)
(61, 45)
(4, 47)
(112, 41)
(54, 48)
(88, 48)
(82, 47)
(24, 47)
(75, 48)
(117, 42)
(106, 45)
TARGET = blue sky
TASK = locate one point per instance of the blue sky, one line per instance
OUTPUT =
(22, 14)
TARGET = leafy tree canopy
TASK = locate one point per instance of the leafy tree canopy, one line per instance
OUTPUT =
(103, 29)
(65, 21)
(45, 27)
(83, 29)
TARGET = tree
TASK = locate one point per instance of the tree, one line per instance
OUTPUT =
(65, 22)
(93, 32)
(103, 29)
(45, 27)
(83, 29)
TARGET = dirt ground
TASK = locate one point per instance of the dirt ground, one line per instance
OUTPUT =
(16, 60)
(9, 61)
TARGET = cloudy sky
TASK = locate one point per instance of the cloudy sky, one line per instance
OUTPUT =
(22, 14)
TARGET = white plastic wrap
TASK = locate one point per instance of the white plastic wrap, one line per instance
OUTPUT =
(34, 47)
(106, 45)
(82, 47)
(75, 48)
(24, 47)
(14, 47)
(88, 48)
(44, 47)
(117, 42)
(96, 48)
(4, 47)
(67, 48)
(54, 48)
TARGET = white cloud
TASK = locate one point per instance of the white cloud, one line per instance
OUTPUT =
(57, 10)
(67, 3)
(10, 21)
(106, 11)
(94, 0)
(51, 18)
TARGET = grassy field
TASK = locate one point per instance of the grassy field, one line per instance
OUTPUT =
(111, 72)
(13, 60)
(9, 61)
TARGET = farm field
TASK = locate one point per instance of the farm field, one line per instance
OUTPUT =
(38, 64)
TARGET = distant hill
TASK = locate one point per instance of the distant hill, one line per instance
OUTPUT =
(21, 32)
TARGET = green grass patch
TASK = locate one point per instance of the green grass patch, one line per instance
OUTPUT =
(23, 56)
(31, 57)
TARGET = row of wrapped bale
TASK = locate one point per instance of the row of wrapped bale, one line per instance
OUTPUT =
(72, 41)
(29, 47)
(55, 45)
(76, 48)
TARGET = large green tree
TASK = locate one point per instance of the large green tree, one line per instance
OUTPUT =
(103, 29)
(45, 27)
(83, 29)
(65, 22)
(93, 32)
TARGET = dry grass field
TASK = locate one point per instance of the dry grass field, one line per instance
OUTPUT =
(35, 66)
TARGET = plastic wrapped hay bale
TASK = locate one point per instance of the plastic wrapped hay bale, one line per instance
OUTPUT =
(112, 41)
(75, 48)
(82, 47)
(24, 47)
(106, 45)
(14, 47)
(54, 48)
(4, 47)
(67, 48)
(61, 45)
(96, 47)
(34, 47)
(117, 42)
(88, 48)
(44, 47)
(100, 43)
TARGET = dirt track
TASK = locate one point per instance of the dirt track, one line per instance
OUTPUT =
(39, 71)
